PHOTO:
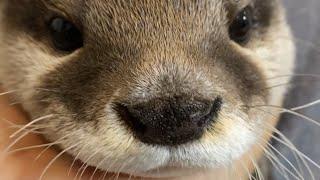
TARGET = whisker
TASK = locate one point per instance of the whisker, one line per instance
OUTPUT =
(33, 129)
(286, 160)
(31, 123)
(234, 172)
(8, 122)
(291, 146)
(98, 166)
(279, 163)
(295, 75)
(247, 171)
(277, 160)
(278, 152)
(107, 170)
(273, 158)
(299, 152)
(17, 140)
(289, 84)
(306, 105)
(288, 144)
(31, 147)
(284, 110)
(257, 168)
(47, 90)
(279, 85)
(299, 173)
(8, 92)
(276, 164)
(55, 158)
(75, 159)
(29, 102)
(123, 165)
(85, 165)
(56, 142)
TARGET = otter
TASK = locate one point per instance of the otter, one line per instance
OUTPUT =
(153, 89)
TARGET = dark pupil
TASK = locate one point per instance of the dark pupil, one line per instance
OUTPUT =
(66, 36)
(241, 26)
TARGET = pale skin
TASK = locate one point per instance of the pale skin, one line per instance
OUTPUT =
(28, 165)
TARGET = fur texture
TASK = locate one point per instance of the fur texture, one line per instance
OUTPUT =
(135, 51)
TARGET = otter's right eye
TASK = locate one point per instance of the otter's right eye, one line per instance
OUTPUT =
(65, 35)
(241, 26)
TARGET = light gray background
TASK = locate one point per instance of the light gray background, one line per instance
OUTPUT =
(304, 17)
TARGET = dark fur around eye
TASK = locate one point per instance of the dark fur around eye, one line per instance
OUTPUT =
(65, 35)
(241, 26)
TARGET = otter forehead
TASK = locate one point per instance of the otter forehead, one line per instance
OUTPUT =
(204, 7)
(128, 22)
(116, 23)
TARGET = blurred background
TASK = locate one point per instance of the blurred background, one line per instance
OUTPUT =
(304, 18)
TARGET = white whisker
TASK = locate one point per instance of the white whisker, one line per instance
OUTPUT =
(284, 110)
(288, 144)
(278, 152)
(17, 140)
(295, 75)
(257, 168)
(55, 158)
(287, 161)
(75, 159)
(53, 143)
(247, 171)
(280, 164)
(275, 162)
(31, 123)
(8, 92)
(85, 164)
(98, 166)
(32, 147)
(306, 105)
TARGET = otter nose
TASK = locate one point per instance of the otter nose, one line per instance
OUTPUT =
(172, 121)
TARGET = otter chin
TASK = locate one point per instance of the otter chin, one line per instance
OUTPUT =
(150, 88)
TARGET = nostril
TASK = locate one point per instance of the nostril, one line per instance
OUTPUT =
(209, 113)
(169, 121)
(127, 116)
(216, 107)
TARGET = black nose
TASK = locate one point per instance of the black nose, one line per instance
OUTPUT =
(171, 121)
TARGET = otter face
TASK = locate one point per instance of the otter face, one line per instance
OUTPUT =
(143, 85)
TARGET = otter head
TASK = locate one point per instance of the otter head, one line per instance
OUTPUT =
(138, 86)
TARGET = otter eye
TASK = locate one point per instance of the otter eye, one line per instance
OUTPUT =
(65, 35)
(241, 26)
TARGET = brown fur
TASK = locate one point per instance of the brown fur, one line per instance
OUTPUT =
(135, 51)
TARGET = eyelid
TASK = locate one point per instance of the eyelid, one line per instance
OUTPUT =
(238, 11)
(56, 11)
(56, 15)
(234, 7)
(54, 8)
(245, 6)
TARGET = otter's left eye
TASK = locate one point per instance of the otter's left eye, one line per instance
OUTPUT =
(65, 35)
(240, 29)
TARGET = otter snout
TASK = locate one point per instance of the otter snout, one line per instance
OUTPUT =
(170, 121)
